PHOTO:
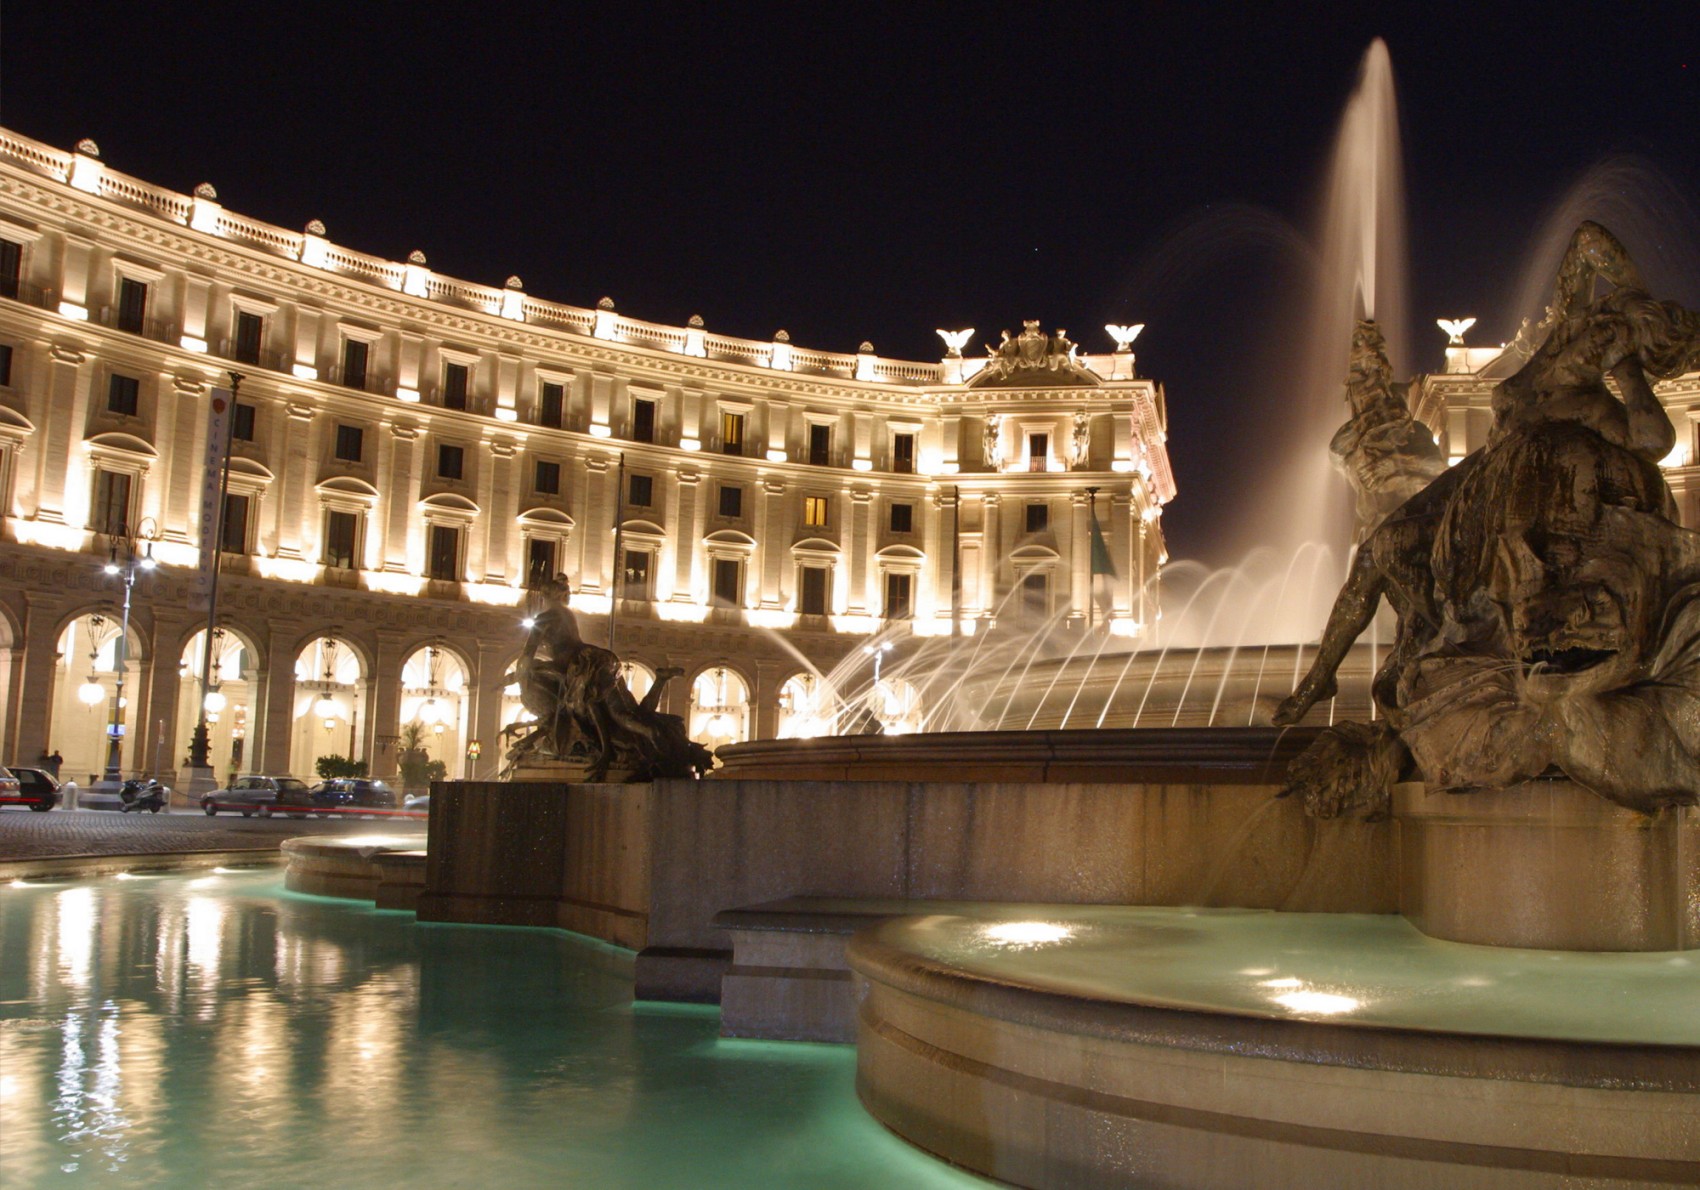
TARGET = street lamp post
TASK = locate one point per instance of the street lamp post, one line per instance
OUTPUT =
(124, 568)
(200, 744)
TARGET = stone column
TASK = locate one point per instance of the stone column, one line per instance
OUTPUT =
(299, 449)
(991, 552)
(40, 645)
(399, 484)
(60, 430)
(498, 496)
(772, 540)
(686, 539)
(486, 716)
(1079, 560)
(383, 703)
(276, 720)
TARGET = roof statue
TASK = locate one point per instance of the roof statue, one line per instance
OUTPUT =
(1032, 359)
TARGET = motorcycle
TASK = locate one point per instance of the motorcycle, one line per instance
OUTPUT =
(141, 793)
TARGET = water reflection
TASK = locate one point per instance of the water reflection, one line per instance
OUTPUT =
(216, 1030)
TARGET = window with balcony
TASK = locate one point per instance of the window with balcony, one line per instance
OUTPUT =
(234, 537)
(814, 511)
(1038, 452)
(731, 500)
(643, 421)
(442, 560)
(132, 305)
(123, 395)
(110, 512)
(242, 422)
(250, 328)
(11, 268)
(727, 582)
(539, 561)
(451, 460)
(355, 353)
(342, 531)
(350, 443)
(455, 378)
(899, 588)
(1038, 517)
(813, 582)
(551, 404)
(635, 575)
(640, 491)
(903, 454)
(820, 445)
(546, 478)
(731, 433)
(902, 518)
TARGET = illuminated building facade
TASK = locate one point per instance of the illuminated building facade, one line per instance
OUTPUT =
(410, 452)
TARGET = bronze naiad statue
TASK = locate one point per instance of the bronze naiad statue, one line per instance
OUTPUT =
(584, 710)
(1548, 602)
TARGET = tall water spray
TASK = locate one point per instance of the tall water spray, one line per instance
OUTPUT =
(1362, 273)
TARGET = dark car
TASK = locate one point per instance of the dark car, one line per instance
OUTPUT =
(256, 793)
(353, 793)
(37, 788)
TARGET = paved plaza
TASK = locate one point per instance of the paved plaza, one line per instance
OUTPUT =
(61, 833)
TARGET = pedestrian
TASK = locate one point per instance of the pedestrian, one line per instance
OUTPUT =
(52, 761)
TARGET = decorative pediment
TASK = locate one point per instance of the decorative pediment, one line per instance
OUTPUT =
(731, 537)
(1033, 359)
(14, 424)
(121, 443)
(815, 545)
(542, 515)
(640, 528)
(449, 502)
(901, 553)
(347, 487)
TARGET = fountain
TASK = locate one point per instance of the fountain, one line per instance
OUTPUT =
(1091, 952)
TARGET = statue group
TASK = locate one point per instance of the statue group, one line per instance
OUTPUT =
(1548, 601)
(584, 715)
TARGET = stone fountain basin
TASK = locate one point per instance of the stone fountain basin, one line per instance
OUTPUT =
(1101, 1046)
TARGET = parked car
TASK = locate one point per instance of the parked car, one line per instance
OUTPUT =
(255, 793)
(37, 788)
(417, 801)
(353, 793)
(11, 793)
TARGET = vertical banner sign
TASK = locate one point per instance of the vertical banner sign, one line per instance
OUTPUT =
(219, 413)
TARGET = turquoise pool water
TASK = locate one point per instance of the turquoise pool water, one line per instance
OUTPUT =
(217, 1030)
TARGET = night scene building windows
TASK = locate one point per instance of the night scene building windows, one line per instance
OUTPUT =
(731, 501)
(456, 378)
(342, 532)
(546, 478)
(820, 444)
(813, 583)
(643, 421)
(350, 443)
(640, 490)
(132, 307)
(109, 512)
(726, 587)
(242, 422)
(551, 404)
(11, 268)
(355, 355)
(903, 454)
(250, 329)
(123, 395)
(902, 518)
(815, 511)
(731, 433)
(451, 461)
(442, 555)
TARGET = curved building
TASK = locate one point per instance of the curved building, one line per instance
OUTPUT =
(409, 452)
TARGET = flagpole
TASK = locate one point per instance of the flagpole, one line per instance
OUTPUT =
(200, 743)
(1091, 570)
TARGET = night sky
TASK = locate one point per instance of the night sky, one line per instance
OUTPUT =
(872, 172)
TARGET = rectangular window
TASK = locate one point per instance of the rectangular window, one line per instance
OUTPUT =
(728, 580)
(812, 588)
(546, 478)
(350, 441)
(1038, 452)
(450, 461)
(355, 353)
(902, 518)
(341, 529)
(897, 596)
(242, 423)
(820, 445)
(11, 268)
(123, 395)
(640, 491)
(249, 328)
(539, 561)
(235, 537)
(643, 421)
(132, 305)
(814, 511)
(5, 361)
(731, 433)
(634, 579)
(1038, 517)
(444, 554)
(454, 385)
(903, 454)
(551, 404)
(731, 500)
(111, 511)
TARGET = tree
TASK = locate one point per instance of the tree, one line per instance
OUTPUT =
(417, 767)
(336, 765)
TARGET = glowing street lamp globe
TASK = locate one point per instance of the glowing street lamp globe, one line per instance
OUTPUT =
(215, 701)
(326, 707)
(90, 692)
(430, 712)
